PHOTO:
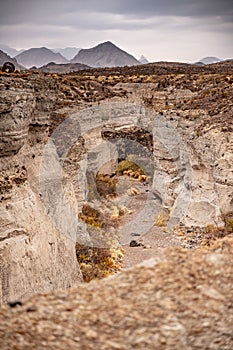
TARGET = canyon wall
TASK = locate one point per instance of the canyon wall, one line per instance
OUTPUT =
(187, 153)
(34, 255)
(194, 151)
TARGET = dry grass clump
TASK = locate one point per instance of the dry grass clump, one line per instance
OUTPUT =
(105, 257)
(131, 169)
(160, 220)
(228, 219)
(211, 234)
(106, 186)
(99, 262)
(127, 165)
(196, 237)
(136, 175)
(93, 217)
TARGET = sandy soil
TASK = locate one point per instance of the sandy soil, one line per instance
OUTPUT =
(155, 240)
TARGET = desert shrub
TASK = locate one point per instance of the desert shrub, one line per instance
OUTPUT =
(229, 225)
(97, 263)
(160, 220)
(228, 219)
(128, 165)
(93, 217)
(211, 233)
(106, 186)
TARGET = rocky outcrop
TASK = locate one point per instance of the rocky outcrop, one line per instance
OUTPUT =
(8, 67)
(34, 255)
(16, 108)
(182, 301)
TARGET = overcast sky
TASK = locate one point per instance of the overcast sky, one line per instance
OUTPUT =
(173, 30)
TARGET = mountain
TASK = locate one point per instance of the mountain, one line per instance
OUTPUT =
(105, 55)
(199, 63)
(63, 68)
(39, 57)
(209, 60)
(6, 58)
(143, 60)
(10, 50)
(67, 52)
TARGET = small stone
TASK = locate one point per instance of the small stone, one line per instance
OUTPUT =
(8, 67)
(135, 244)
(91, 334)
(15, 303)
(180, 233)
(31, 309)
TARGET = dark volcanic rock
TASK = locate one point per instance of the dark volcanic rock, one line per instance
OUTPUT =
(8, 67)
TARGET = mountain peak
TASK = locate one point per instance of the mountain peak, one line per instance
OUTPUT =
(67, 52)
(210, 59)
(39, 56)
(143, 60)
(10, 51)
(107, 43)
(105, 54)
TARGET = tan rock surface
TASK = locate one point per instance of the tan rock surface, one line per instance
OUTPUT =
(34, 255)
(181, 302)
(195, 101)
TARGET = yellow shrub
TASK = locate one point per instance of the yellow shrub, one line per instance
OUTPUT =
(160, 220)
(98, 262)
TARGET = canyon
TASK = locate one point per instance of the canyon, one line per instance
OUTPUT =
(59, 133)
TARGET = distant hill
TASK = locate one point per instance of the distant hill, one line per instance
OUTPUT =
(223, 65)
(199, 64)
(209, 60)
(6, 58)
(39, 57)
(10, 50)
(63, 68)
(143, 60)
(67, 52)
(105, 55)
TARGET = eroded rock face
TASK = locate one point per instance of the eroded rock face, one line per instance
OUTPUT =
(34, 255)
(189, 139)
(190, 148)
(15, 109)
(192, 173)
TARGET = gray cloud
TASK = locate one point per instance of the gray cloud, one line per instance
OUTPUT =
(26, 11)
(25, 23)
